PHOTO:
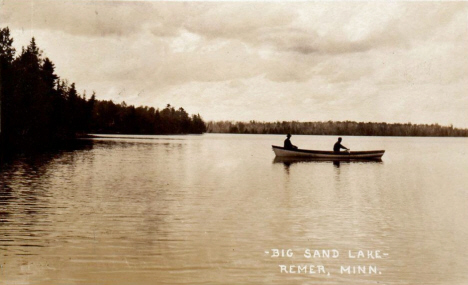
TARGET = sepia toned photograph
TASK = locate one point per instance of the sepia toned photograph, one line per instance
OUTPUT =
(233, 142)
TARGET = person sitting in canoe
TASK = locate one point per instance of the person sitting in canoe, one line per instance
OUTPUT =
(338, 146)
(288, 144)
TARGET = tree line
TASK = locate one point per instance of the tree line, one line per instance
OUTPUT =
(347, 128)
(111, 118)
(38, 107)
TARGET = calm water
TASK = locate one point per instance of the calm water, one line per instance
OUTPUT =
(206, 209)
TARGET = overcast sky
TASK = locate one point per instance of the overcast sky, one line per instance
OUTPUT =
(268, 61)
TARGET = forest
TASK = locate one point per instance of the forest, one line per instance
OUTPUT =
(40, 108)
(347, 128)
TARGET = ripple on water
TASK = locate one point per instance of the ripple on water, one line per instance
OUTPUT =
(203, 209)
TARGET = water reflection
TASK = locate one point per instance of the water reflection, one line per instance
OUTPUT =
(287, 161)
(36, 158)
(25, 191)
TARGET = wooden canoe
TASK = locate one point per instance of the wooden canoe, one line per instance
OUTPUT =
(370, 154)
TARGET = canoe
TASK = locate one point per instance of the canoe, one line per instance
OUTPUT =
(288, 160)
(370, 154)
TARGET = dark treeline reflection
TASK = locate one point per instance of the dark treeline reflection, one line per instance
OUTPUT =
(335, 128)
(38, 107)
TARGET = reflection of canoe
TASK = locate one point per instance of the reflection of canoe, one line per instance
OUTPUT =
(371, 154)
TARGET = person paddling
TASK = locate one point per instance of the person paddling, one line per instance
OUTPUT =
(288, 144)
(338, 146)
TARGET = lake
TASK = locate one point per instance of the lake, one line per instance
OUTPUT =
(218, 209)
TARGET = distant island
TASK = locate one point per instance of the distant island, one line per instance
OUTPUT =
(38, 108)
(347, 128)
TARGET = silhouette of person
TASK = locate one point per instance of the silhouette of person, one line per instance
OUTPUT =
(288, 144)
(338, 146)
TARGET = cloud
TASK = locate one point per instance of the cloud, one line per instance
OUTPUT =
(83, 18)
(260, 60)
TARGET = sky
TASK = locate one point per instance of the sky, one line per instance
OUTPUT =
(265, 61)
